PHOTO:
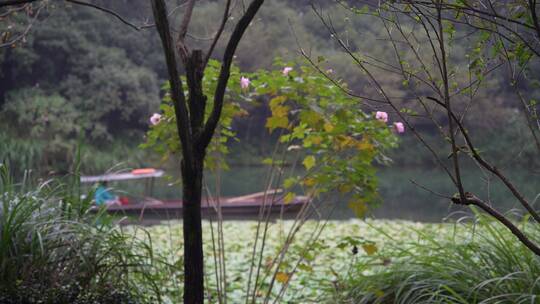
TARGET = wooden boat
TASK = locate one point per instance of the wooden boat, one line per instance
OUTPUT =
(242, 207)
(148, 210)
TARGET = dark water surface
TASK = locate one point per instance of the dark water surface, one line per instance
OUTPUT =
(402, 199)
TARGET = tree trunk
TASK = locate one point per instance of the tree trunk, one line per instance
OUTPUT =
(193, 250)
(6, 76)
(195, 135)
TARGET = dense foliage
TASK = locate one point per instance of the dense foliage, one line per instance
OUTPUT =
(467, 263)
(69, 84)
(54, 249)
(107, 75)
(314, 118)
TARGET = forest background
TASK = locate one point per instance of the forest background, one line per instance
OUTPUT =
(83, 79)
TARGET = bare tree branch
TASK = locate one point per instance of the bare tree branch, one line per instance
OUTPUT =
(382, 92)
(430, 16)
(488, 166)
(10, 11)
(88, 4)
(14, 2)
(26, 30)
(180, 43)
(111, 12)
(534, 16)
(179, 100)
(224, 74)
(471, 199)
(444, 75)
(468, 9)
(226, 15)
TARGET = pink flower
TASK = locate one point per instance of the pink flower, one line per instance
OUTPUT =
(399, 127)
(382, 116)
(155, 119)
(286, 70)
(244, 83)
(329, 71)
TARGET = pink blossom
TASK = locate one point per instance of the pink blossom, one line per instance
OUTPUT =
(244, 82)
(382, 116)
(155, 119)
(399, 127)
(286, 70)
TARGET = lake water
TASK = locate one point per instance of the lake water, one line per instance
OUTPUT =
(402, 199)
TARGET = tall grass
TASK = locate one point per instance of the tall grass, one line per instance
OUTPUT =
(54, 250)
(475, 263)
(20, 154)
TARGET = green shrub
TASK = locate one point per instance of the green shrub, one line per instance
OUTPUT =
(480, 263)
(53, 249)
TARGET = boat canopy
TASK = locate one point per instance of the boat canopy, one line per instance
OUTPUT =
(133, 174)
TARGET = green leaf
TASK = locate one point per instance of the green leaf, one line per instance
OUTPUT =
(358, 207)
(289, 197)
(289, 182)
(309, 162)
(370, 248)
(276, 101)
(277, 122)
(311, 118)
(305, 267)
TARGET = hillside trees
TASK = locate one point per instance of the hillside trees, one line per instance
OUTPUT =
(107, 74)
(93, 33)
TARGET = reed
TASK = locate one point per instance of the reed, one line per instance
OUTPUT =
(479, 262)
(54, 250)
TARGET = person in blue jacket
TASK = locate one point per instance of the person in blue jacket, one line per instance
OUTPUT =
(104, 196)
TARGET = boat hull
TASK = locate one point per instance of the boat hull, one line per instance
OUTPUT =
(152, 212)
